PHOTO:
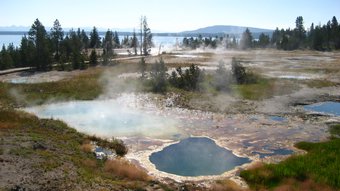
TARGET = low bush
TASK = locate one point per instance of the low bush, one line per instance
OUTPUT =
(116, 144)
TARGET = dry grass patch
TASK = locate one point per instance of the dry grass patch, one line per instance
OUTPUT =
(89, 163)
(7, 125)
(86, 147)
(125, 169)
(307, 185)
(225, 185)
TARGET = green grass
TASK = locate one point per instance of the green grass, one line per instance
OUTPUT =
(319, 83)
(22, 151)
(264, 88)
(85, 86)
(335, 130)
(321, 165)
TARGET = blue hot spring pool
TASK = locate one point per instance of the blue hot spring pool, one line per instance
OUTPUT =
(196, 156)
(108, 118)
(275, 152)
(332, 108)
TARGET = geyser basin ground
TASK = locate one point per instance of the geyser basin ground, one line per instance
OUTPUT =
(196, 156)
(108, 118)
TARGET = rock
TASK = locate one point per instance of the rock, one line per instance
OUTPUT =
(18, 188)
(39, 146)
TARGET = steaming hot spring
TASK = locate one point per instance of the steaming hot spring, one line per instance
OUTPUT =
(163, 139)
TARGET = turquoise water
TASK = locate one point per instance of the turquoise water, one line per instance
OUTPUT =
(332, 108)
(108, 118)
(197, 156)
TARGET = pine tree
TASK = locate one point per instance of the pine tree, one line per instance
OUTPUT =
(65, 52)
(57, 35)
(134, 42)
(84, 39)
(108, 47)
(94, 38)
(116, 40)
(310, 36)
(15, 55)
(42, 54)
(26, 52)
(335, 33)
(6, 61)
(246, 40)
(300, 31)
(264, 40)
(76, 47)
(317, 43)
(93, 58)
(158, 76)
(147, 37)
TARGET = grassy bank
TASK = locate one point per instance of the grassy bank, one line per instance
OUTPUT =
(319, 169)
(85, 86)
(51, 156)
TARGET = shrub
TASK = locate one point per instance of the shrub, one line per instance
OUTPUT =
(190, 79)
(241, 75)
(120, 148)
(86, 147)
(335, 130)
(158, 77)
(116, 144)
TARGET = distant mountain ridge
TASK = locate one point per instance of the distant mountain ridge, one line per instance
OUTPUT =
(206, 31)
(228, 29)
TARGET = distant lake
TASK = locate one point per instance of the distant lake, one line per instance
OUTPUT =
(7, 39)
(165, 41)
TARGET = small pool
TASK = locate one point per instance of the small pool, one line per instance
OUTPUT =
(274, 152)
(277, 118)
(196, 156)
(331, 108)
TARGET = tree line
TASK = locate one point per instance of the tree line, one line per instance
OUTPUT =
(317, 37)
(42, 50)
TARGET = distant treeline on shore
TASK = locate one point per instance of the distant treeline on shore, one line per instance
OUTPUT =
(181, 34)
(42, 49)
(316, 37)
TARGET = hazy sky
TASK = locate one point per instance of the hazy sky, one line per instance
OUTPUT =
(168, 15)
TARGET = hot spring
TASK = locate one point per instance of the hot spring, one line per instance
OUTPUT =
(332, 108)
(196, 156)
(109, 118)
